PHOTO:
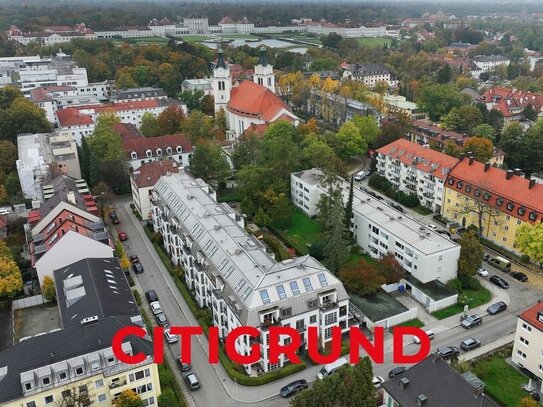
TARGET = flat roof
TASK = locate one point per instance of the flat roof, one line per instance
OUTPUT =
(434, 289)
(378, 306)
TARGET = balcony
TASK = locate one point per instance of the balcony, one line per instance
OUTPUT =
(328, 304)
(273, 321)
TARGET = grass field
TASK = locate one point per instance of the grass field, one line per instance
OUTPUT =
(474, 297)
(143, 40)
(193, 38)
(373, 42)
(302, 230)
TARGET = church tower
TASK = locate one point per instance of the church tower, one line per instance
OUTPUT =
(264, 72)
(222, 83)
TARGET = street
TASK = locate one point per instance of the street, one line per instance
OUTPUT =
(218, 389)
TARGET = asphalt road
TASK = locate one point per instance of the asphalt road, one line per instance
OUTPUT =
(218, 390)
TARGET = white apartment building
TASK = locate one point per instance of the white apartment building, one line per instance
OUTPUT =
(34, 157)
(528, 339)
(487, 63)
(416, 170)
(231, 272)
(64, 153)
(127, 32)
(369, 74)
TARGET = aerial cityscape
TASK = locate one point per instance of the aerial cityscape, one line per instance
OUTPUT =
(267, 204)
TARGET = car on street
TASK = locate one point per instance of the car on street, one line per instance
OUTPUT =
(156, 308)
(170, 337)
(500, 282)
(496, 308)
(151, 296)
(399, 208)
(113, 217)
(137, 267)
(482, 272)
(4, 212)
(378, 382)
(293, 387)
(444, 232)
(486, 257)
(185, 367)
(517, 275)
(123, 236)
(379, 197)
(161, 319)
(431, 226)
(428, 332)
(396, 371)
(192, 381)
(471, 321)
(448, 352)
(470, 343)
(371, 193)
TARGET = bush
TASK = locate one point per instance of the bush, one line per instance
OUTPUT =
(455, 284)
(379, 182)
(167, 398)
(317, 250)
(137, 297)
(472, 227)
(470, 283)
(440, 219)
(525, 259)
(411, 201)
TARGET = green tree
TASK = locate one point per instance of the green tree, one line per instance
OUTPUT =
(168, 398)
(280, 150)
(529, 240)
(129, 398)
(361, 278)
(8, 156)
(349, 205)
(349, 141)
(529, 112)
(13, 186)
(48, 289)
(104, 143)
(220, 120)
(438, 100)
(496, 120)
(199, 126)
(452, 149)
(149, 125)
(463, 119)
(482, 148)
(317, 153)
(471, 254)
(484, 130)
(444, 75)
(261, 218)
(11, 281)
(103, 195)
(280, 213)
(368, 126)
(209, 163)
(171, 119)
(8, 94)
(247, 150)
(513, 144)
(22, 116)
(192, 99)
(332, 40)
(334, 235)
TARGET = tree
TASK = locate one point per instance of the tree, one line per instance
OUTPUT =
(22, 116)
(332, 40)
(8, 156)
(349, 141)
(452, 149)
(390, 269)
(149, 125)
(280, 149)
(103, 195)
(171, 119)
(247, 150)
(484, 130)
(438, 100)
(471, 254)
(192, 99)
(75, 396)
(513, 144)
(261, 218)
(220, 120)
(361, 278)
(528, 402)
(317, 153)
(529, 112)
(11, 281)
(463, 119)
(529, 240)
(496, 120)
(8, 94)
(334, 236)
(129, 398)
(48, 289)
(479, 208)
(209, 163)
(198, 126)
(368, 126)
(349, 205)
(482, 148)
(104, 143)
(168, 398)
(444, 75)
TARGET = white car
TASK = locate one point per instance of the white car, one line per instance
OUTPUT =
(431, 226)
(169, 337)
(377, 381)
(428, 332)
(4, 212)
(482, 272)
(156, 308)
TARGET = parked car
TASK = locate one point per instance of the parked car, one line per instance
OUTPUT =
(486, 257)
(192, 381)
(428, 332)
(169, 337)
(444, 232)
(482, 272)
(123, 236)
(459, 231)
(471, 321)
(399, 208)
(500, 282)
(470, 343)
(379, 197)
(396, 371)
(448, 352)
(134, 258)
(161, 319)
(496, 308)
(378, 382)
(151, 296)
(185, 367)
(371, 193)
(156, 308)
(4, 212)
(431, 226)
(517, 275)
(293, 387)
(113, 217)
(137, 267)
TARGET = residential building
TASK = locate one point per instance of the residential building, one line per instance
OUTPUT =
(143, 181)
(508, 200)
(64, 153)
(434, 382)
(324, 27)
(135, 31)
(77, 124)
(399, 104)
(52, 35)
(192, 85)
(369, 74)
(34, 157)
(428, 257)
(528, 338)
(138, 94)
(487, 63)
(512, 102)
(231, 272)
(416, 170)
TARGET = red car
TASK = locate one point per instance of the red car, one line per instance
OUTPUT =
(123, 236)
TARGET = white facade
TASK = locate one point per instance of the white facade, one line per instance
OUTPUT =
(370, 74)
(51, 39)
(192, 85)
(131, 32)
(230, 271)
(141, 198)
(197, 25)
(33, 163)
(222, 84)
(64, 153)
(348, 32)
(264, 73)
(181, 156)
(380, 229)
(484, 63)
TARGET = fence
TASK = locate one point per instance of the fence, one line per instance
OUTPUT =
(28, 302)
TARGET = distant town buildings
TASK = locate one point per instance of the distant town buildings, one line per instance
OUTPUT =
(487, 63)
(512, 102)
(368, 74)
(51, 35)
(399, 104)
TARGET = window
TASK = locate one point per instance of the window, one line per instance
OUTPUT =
(300, 325)
(499, 201)
(133, 155)
(99, 383)
(265, 297)
(313, 319)
(524, 341)
(48, 399)
(111, 360)
(149, 153)
(95, 365)
(322, 279)
(533, 215)
(168, 150)
(78, 371)
(46, 381)
(510, 206)
(328, 333)
(527, 327)
(459, 185)
(312, 303)
(521, 354)
(477, 192)
(149, 401)
(159, 152)
(521, 210)
(101, 398)
(31, 404)
(330, 318)
(62, 376)
(281, 292)
(286, 312)
(178, 149)
(486, 196)
(307, 284)
(468, 188)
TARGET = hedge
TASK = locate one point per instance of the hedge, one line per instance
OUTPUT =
(137, 297)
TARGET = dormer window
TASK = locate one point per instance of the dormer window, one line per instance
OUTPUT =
(169, 150)
(499, 201)
(468, 188)
(459, 185)
(149, 153)
(477, 192)
(134, 155)
(46, 381)
(179, 149)
(521, 210)
(510, 206)
(159, 152)
(533, 215)
(486, 196)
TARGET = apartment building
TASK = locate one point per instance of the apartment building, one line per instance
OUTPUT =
(137, 94)
(528, 339)
(143, 150)
(368, 74)
(51, 35)
(53, 98)
(232, 273)
(416, 170)
(487, 63)
(427, 257)
(506, 200)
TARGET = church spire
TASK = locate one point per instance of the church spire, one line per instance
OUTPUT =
(263, 60)
(220, 59)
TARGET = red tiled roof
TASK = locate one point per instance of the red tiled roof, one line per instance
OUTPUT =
(511, 102)
(149, 173)
(127, 131)
(253, 100)
(72, 117)
(514, 190)
(227, 20)
(258, 129)
(3, 221)
(422, 158)
(439, 132)
(140, 146)
(42, 94)
(531, 315)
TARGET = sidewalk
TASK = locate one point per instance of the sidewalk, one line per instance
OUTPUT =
(488, 348)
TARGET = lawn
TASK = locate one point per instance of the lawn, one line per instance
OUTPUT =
(475, 298)
(193, 38)
(302, 230)
(502, 380)
(414, 322)
(373, 42)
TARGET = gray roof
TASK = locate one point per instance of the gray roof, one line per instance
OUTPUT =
(136, 93)
(237, 258)
(311, 177)
(93, 287)
(61, 185)
(58, 346)
(490, 58)
(440, 383)
(369, 69)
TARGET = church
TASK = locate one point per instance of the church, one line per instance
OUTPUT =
(250, 103)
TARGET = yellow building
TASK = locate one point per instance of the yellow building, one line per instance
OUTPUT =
(76, 365)
(502, 200)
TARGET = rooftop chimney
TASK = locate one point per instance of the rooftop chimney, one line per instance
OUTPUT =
(517, 171)
(531, 184)
(509, 174)
(487, 166)
(421, 399)
(470, 159)
(404, 382)
(71, 197)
